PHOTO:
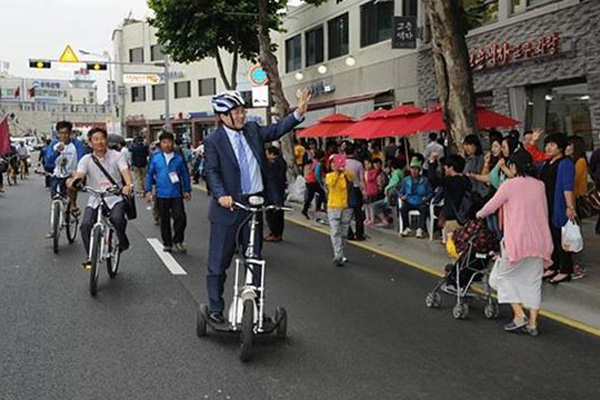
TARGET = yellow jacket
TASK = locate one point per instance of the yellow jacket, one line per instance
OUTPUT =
(337, 188)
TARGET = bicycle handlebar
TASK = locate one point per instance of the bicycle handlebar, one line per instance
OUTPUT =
(260, 208)
(102, 193)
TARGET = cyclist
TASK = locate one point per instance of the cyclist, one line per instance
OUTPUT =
(115, 165)
(23, 152)
(235, 170)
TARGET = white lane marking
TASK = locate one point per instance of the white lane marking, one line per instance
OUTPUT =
(167, 258)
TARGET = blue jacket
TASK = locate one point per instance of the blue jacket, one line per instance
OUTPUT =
(50, 155)
(158, 173)
(222, 170)
(415, 191)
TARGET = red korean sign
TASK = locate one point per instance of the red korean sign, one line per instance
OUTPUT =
(506, 53)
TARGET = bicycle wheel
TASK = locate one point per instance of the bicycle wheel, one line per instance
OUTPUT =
(55, 226)
(114, 256)
(95, 259)
(71, 225)
(247, 330)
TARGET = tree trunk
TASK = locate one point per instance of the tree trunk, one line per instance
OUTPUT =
(269, 63)
(452, 69)
(234, 69)
(221, 68)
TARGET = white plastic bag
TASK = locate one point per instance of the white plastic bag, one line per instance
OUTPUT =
(296, 191)
(493, 278)
(572, 240)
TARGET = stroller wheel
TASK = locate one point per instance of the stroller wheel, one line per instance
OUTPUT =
(433, 300)
(491, 310)
(460, 311)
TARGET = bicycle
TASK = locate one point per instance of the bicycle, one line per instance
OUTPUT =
(11, 171)
(247, 310)
(104, 244)
(61, 217)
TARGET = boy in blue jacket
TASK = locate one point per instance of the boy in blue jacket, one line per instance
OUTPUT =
(168, 171)
(415, 193)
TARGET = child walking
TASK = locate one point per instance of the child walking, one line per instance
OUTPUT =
(339, 211)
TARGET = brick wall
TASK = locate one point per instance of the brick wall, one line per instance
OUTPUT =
(578, 25)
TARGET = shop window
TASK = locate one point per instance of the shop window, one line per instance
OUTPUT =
(562, 107)
(182, 90)
(479, 12)
(314, 46)
(158, 92)
(207, 87)
(410, 8)
(337, 30)
(376, 22)
(136, 55)
(138, 94)
(293, 53)
(518, 6)
(156, 53)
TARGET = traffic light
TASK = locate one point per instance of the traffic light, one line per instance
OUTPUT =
(98, 66)
(39, 64)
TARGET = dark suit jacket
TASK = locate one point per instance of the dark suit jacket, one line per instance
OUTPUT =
(276, 181)
(223, 171)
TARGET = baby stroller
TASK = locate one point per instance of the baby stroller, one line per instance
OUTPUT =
(477, 247)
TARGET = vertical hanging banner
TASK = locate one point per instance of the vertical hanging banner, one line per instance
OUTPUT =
(405, 33)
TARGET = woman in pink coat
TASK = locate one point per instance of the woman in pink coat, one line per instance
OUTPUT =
(527, 246)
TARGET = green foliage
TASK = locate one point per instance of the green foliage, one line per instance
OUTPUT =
(478, 13)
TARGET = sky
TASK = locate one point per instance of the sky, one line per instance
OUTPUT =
(43, 28)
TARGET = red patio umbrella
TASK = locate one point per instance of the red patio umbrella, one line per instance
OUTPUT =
(331, 126)
(434, 120)
(364, 127)
(389, 123)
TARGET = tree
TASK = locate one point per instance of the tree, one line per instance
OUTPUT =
(193, 30)
(452, 70)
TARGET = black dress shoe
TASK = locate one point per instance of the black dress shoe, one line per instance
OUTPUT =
(555, 281)
(217, 318)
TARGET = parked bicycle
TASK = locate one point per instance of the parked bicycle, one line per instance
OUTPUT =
(104, 244)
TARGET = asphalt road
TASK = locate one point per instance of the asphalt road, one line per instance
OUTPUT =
(358, 332)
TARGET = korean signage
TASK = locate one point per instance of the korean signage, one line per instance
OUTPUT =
(141, 79)
(500, 54)
(405, 33)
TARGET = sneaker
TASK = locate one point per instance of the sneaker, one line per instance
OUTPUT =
(49, 235)
(407, 232)
(516, 325)
(217, 318)
(578, 272)
(180, 248)
(531, 330)
(87, 264)
(420, 234)
(167, 249)
(337, 261)
(344, 260)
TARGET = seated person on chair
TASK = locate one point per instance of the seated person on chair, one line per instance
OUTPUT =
(415, 193)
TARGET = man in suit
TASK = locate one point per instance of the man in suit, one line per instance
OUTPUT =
(235, 170)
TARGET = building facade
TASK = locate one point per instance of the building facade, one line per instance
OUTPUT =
(343, 51)
(35, 105)
(537, 61)
(142, 101)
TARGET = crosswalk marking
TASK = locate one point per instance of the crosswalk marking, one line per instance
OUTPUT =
(166, 257)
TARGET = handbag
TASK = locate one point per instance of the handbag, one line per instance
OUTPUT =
(130, 209)
(592, 200)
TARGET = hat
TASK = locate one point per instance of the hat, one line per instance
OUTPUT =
(339, 161)
(415, 163)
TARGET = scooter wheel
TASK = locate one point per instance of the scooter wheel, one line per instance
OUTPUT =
(247, 330)
(281, 318)
(201, 321)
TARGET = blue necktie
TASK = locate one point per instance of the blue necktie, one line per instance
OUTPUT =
(244, 165)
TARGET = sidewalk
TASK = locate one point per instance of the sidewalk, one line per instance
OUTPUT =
(576, 303)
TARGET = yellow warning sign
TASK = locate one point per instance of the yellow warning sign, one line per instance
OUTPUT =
(68, 56)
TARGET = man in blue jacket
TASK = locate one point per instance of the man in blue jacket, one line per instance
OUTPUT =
(415, 193)
(235, 170)
(168, 171)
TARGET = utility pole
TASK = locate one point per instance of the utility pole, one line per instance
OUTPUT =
(167, 95)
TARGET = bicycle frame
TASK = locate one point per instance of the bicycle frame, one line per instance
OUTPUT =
(105, 226)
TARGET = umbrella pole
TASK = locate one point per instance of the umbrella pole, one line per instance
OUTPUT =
(406, 150)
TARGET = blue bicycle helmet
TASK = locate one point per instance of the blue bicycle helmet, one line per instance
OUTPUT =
(227, 101)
